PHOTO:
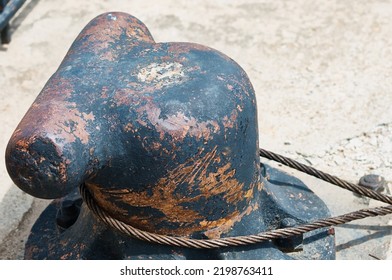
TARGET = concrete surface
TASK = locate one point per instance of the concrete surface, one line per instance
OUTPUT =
(322, 72)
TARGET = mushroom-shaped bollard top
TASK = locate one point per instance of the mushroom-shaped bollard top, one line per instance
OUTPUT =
(163, 135)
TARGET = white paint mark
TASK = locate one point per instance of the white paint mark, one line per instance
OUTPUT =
(162, 74)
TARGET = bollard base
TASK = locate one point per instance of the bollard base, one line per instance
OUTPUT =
(81, 235)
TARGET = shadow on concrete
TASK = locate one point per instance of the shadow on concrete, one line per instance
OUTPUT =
(22, 15)
(367, 227)
(380, 231)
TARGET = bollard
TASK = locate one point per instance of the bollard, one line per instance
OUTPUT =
(164, 136)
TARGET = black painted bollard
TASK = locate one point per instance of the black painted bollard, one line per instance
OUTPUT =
(164, 137)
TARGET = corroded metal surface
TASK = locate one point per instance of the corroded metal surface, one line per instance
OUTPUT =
(283, 197)
(163, 134)
(165, 138)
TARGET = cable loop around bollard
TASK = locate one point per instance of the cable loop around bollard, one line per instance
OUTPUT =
(256, 238)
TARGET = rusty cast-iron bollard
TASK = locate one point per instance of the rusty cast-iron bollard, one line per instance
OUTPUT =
(164, 137)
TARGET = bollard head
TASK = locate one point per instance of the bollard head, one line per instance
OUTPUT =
(163, 135)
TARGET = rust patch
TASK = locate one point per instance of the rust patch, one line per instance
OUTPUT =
(105, 200)
(229, 122)
(178, 126)
(70, 124)
(181, 48)
(222, 182)
(217, 229)
(109, 55)
(129, 128)
(104, 92)
(130, 96)
(107, 29)
(156, 145)
(126, 97)
(260, 185)
(88, 117)
(54, 117)
(35, 160)
(164, 196)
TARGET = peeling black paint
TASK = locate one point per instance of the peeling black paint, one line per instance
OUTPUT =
(164, 135)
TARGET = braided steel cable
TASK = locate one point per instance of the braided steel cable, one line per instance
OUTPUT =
(226, 241)
(326, 177)
(256, 238)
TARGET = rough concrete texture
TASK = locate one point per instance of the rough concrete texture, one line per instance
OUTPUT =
(321, 70)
